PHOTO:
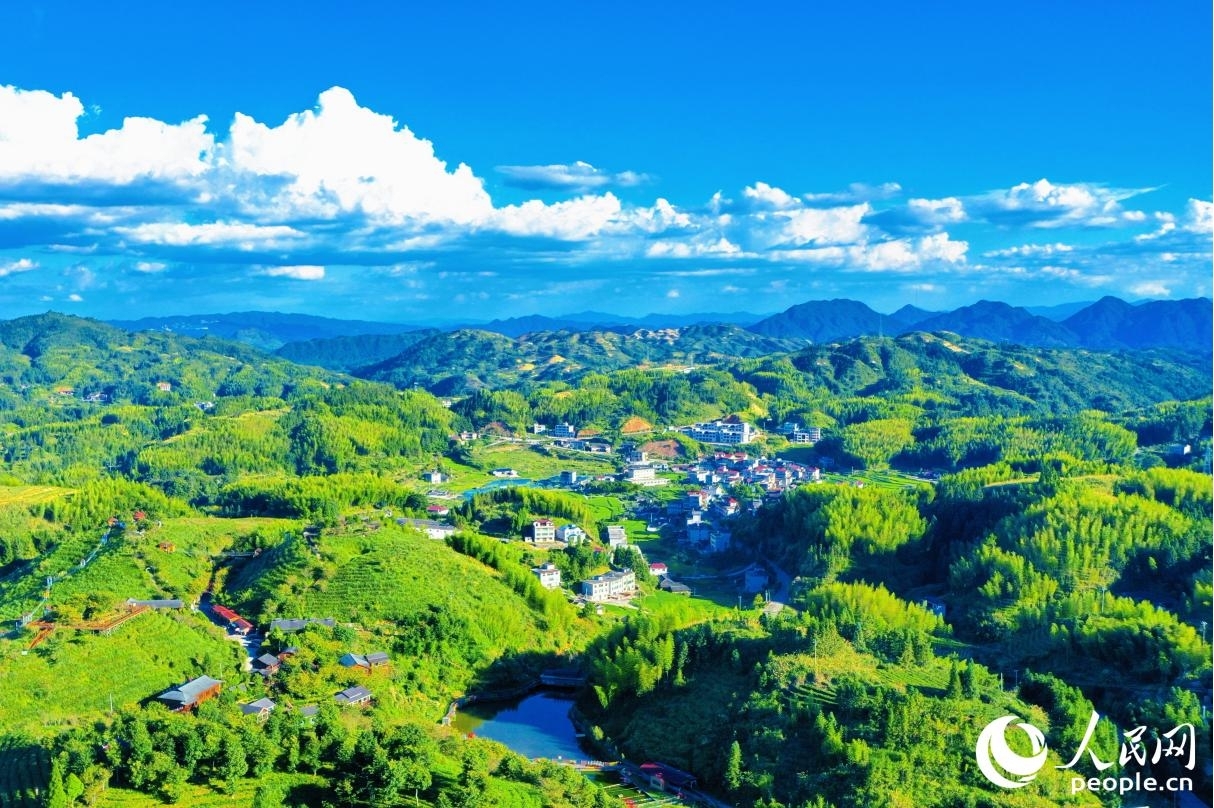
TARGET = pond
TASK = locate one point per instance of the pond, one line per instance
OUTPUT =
(535, 726)
(505, 482)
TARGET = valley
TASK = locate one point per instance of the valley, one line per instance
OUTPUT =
(799, 569)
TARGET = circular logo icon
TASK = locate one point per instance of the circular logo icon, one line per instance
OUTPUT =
(992, 750)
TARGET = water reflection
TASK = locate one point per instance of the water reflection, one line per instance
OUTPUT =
(535, 726)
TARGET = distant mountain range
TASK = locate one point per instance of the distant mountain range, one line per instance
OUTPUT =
(1107, 324)
(266, 330)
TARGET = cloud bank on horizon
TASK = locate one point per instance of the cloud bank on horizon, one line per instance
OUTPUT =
(343, 210)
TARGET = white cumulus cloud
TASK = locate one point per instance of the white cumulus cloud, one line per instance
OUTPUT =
(39, 139)
(344, 157)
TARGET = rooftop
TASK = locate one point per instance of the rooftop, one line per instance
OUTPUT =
(353, 694)
(191, 690)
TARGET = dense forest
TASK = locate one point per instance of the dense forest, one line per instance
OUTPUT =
(1039, 545)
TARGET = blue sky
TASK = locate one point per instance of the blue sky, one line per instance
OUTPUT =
(409, 163)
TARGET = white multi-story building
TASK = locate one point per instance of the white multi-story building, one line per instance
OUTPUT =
(616, 536)
(722, 432)
(549, 575)
(564, 431)
(570, 534)
(609, 585)
(543, 530)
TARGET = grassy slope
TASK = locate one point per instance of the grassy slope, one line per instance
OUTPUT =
(70, 677)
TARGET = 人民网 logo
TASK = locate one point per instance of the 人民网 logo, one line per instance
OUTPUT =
(997, 760)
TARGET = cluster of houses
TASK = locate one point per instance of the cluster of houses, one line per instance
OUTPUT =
(699, 515)
(773, 475)
(188, 696)
(567, 436)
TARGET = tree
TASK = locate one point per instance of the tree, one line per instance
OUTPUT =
(56, 793)
(733, 767)
(233, 763)
(268, 795)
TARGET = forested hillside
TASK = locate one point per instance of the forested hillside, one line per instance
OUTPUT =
(980, 529)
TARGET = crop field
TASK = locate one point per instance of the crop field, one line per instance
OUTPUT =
(24, 768)
(393, 578)
(605, 509)
(685, 610)
(537, 465)
(183, 568)
(30, 494)
(879, 479)
(83, 671)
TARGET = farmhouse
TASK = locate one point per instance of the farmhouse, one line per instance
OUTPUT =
(433, 529)
(260, 708)
(726, 432)
(171, 603)
(616, 536)
(191, 694)
(667, 778)
(267, 664)
(549, 575)
(668, 584)
(368, 662)
(570, 534)
(354, 695)
(543, 530)
(234, 621)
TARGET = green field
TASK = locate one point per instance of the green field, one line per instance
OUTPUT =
(880, 479)
(30, 494)
(71, 677)
(540, 465)
(685, 610)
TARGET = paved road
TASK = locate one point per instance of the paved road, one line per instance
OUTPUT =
(779, 600)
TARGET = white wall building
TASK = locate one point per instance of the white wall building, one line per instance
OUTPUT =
(549, 575)
(722, 432)
(608, 585)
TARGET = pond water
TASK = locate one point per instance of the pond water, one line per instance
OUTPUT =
(504, 482)
(535, 726)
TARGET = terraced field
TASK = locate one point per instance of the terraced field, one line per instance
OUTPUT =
(802, 695)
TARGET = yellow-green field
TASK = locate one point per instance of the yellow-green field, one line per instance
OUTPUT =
(30, 494)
